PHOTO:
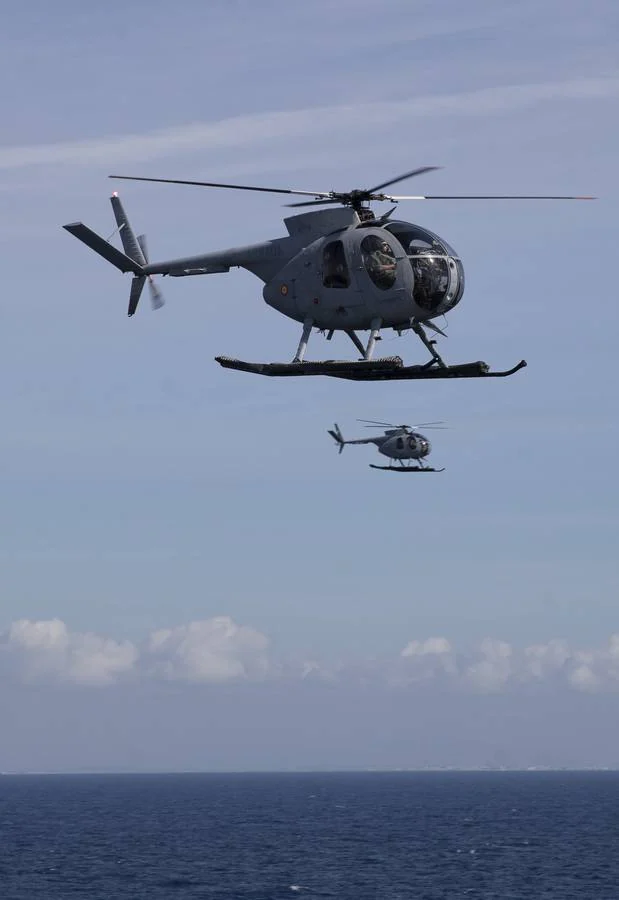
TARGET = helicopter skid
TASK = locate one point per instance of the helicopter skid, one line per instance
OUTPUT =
(405, 468)
(389, 368)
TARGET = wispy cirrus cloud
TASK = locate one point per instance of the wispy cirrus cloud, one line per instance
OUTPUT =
(218, 650)
(291, 125)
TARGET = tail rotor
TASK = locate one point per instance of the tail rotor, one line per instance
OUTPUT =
(337, 436)
(134, 259)
(156, 297)
(137, 250)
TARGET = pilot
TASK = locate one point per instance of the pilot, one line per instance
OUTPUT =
(383, 262)
(383, 256)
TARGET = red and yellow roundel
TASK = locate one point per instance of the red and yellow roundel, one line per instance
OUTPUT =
(284, 289)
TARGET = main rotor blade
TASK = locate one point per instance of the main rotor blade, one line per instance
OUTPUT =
(410, 174)
(236, 187)
(486, 197)
(374, 422)
(314, 202)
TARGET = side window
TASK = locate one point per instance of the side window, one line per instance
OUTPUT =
(400, 444)
(379, 261)
(334, 268)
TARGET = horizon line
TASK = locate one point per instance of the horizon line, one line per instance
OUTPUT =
(366, 770)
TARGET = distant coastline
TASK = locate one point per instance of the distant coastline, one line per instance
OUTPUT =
(436, 770)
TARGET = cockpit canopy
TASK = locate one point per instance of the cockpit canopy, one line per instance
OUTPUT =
(438, 272)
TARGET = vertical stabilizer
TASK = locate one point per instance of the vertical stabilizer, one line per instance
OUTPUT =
(130, 243)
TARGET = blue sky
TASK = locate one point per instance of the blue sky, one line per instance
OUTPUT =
(144, 488)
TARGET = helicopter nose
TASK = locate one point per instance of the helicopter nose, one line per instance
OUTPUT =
(425, 446)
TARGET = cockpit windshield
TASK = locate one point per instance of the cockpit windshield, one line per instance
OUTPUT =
(431, 279)
(415, 239)
(438, 273)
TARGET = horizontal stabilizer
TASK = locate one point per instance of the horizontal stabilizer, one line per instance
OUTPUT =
(103, 248)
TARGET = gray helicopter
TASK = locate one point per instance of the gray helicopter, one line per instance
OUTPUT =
(339, 269)
(401, 443)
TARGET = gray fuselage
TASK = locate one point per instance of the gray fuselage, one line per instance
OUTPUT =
(345, 274)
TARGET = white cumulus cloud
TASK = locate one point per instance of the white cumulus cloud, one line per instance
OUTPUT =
(436, 646)
(47, 648)
(211, 650)
(424, 661)
(584, 678)
(493, 667)
(543, 659)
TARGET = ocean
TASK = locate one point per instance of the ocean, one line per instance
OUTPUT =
(380, 836)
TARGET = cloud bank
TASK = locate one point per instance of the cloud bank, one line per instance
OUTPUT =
(217, 651)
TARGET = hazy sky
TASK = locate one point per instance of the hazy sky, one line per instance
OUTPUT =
(190, 574)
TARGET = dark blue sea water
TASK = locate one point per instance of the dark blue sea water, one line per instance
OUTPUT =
(281, 837)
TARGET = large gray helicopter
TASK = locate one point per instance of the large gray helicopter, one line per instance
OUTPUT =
(339, 269)
(401, 443)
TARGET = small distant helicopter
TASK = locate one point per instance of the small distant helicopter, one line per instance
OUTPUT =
(339, 269)
(402, 443)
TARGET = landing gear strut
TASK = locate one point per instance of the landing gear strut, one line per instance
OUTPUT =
(356, 342)
(366, 352)
(374, 336)
(428, 344)
(307, 330)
